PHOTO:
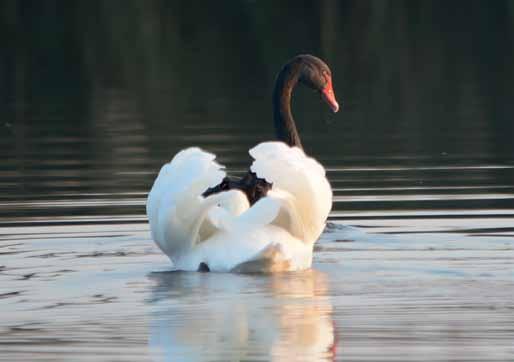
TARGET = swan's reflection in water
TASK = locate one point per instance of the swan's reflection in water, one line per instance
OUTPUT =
(231, 317)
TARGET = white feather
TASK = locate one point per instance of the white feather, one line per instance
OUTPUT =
(277, 233)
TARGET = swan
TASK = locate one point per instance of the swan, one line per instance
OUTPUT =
(269, 220)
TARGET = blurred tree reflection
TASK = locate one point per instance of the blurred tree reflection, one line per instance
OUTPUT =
(415, 77)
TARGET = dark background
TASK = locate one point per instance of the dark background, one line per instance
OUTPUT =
(96, 95)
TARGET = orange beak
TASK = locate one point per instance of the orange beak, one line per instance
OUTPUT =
(328, 95)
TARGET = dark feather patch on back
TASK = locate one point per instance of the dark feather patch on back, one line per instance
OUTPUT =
(254, 187)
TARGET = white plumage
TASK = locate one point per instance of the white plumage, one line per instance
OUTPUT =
(277, 233)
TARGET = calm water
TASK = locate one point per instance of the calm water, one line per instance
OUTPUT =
(417, 261)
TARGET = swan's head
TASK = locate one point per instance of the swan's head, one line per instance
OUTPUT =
(315, 74)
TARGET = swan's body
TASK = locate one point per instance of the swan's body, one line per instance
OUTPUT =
(223, 232)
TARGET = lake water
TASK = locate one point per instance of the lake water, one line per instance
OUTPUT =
(417, 260)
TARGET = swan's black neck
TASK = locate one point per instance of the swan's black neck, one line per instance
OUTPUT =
(285, 126)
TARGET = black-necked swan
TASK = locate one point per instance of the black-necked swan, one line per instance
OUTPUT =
(265, 222)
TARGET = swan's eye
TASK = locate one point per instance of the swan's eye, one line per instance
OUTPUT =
(326, 76)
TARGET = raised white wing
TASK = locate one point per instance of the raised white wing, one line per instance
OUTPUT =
(176, 210)
(299, 185)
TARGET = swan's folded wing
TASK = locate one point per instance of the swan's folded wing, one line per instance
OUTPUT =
(263, 212)
(302, 177)
(277, 208)
(175, 206)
